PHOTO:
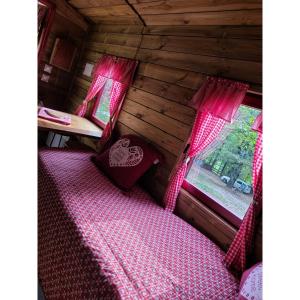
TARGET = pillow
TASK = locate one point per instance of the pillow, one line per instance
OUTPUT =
(251, 284)
(127, 160)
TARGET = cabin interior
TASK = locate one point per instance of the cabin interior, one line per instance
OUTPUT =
(150, 149)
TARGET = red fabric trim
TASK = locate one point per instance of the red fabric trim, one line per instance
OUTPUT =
(219, 97)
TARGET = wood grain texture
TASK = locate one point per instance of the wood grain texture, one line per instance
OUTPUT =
(191, 80)
(166, 107)
(118, 50)
(163, 89)
(130, 40)
(237, 17)
(230, 48)
(224, 67)
(159, 137)
(95, 3)
(120, 20)
(182, 6)
(213, 31)
(78, 125)
(126, 29)
(115, 10)
(163, 122)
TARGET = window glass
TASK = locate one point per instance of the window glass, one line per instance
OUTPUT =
(102, 110)
(224, 170)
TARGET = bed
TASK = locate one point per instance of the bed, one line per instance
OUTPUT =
(96, 242)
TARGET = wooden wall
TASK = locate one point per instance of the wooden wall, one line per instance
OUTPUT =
(67, 24)
(183, 42)
(173, 63)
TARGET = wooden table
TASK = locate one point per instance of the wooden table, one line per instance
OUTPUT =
(78, 126)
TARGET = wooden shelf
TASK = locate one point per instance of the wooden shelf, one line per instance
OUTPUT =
(78, 126)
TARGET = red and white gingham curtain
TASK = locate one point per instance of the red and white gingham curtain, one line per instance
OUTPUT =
(205, 130)
(210, 120)
(121, 71)
(117, 95)
(96, 86)
(240, 249)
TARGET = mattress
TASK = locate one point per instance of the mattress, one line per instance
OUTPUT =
(96, 242)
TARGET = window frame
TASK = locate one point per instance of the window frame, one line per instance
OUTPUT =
(254, 101)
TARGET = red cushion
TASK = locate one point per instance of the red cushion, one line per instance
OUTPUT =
(127, 160)
(251, 284)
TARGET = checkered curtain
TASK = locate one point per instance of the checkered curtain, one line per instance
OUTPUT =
(121, 71)
(118, 92)
(210, 120)
(241, 248)
(96, 86)
(206, 129)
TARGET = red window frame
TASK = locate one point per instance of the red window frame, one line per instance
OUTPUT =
(252, 100)
(96, 105)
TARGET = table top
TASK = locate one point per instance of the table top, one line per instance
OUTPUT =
(79, 125)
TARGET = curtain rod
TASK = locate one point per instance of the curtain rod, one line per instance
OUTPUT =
(254, 92)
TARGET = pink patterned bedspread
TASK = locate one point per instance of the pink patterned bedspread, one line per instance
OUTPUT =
(97, 243)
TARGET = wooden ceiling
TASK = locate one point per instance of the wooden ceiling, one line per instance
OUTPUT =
(171, 12)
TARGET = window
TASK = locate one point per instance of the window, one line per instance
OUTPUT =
(221, 176)
(101, 113)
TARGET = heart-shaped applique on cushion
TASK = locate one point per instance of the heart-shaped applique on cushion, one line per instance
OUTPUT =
(121, 155)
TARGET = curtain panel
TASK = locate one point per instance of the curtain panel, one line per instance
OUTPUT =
(240, 250)
(118, 69)
(121, 71)
(216, 102)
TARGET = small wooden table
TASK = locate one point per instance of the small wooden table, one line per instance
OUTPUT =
(78, 126)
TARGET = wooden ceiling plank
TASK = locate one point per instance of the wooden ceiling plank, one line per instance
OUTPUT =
(239, 17)
(117, 10)
(131, 40)
(125, 29)
(120, 20)
(95, 3)
(183, 6)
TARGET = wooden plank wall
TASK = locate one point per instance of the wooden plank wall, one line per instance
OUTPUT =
(54, 92)
(174, 61)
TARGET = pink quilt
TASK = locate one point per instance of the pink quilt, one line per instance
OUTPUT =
(94, 242)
